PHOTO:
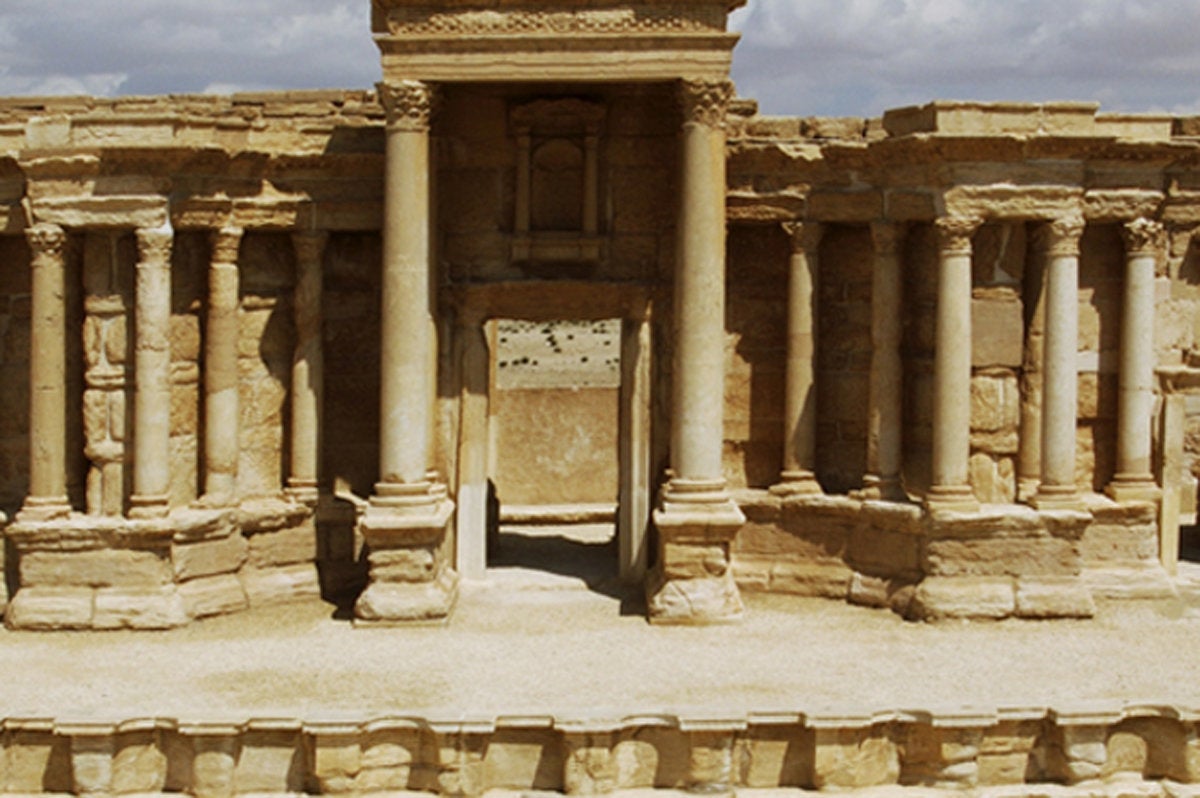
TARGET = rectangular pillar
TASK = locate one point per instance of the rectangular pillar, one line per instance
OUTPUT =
(308, 369)
(473, 437)
(885, 398)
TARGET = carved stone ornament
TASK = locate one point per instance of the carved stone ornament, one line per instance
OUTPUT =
(705, 102)
(154, 245)
(641, 18)
(408, 103)
(226, 243)
(47, 240)
(805, 236)
(1144, 237)
(1062, 236)
(954, 233)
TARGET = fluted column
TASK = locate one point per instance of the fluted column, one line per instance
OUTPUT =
(1134, 479)
(885, 402)
(405, 524)
(800, 392)
(696, 519)
(308, 368)
(221, 411)
(47, 497)
(1057, 489)
(152, 375)
(950, 486)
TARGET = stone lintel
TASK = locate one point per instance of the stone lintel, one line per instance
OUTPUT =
(947, 117)
(766, 207)
(1020, 203)
(112, 212)
(1120, 204)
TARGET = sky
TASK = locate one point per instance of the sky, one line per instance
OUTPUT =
(797, 57)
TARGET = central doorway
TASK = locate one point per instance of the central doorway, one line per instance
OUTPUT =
(554, 431)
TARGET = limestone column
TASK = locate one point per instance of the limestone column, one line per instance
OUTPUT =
(152, 375)
(950, 488)
(800, 391)
(1134, 479)
(221, 411)
(47, 497)
(405, 523)
(1057, 489)
(308, 368)
(1029, 455)
(885, 400)
(696, 519)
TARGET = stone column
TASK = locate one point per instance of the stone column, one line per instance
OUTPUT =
(1134, 479)
(221, 411)
(696, 519)
(1057, 489)
(885, 398)
(308, 368)
(47, 497)
(1029, 454)
(800, 392)
(152, 375)
(405, 523)
(950, 488)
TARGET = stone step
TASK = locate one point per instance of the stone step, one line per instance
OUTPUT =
(1118, 750)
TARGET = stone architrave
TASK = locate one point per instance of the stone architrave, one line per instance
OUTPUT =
(885, 403)
(800, 400)
(697, 519)
(1134, 478)
(951, 487)
(152, 375)
(308, 369)
(404, 525)
(221, 403)
(47, 497)
(1057, 489)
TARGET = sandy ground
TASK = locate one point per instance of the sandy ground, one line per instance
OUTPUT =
(543, 643)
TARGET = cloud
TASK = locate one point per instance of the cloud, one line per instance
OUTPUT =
(860, 56)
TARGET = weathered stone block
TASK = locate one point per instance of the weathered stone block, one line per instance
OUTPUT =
(213, 766)
(336, 762)
(651, 757)
(1015, 556)
(208, 557)
(213, 595)
(138, 608)
(943, 597)
(49, 608)
(272, 585)
(997, 332)
(417, 564)
(694, 561)
(283, 547)
(37, 762)
(855, 758)
(270, 762)
(995, 401)
(139, 764)
(776, 757)
(92, 763)
(101, 568)
(589, 764)
(1054, 597)
(523, 760)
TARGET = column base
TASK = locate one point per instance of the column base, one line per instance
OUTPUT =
(44, 508)
(692, 582)
(889, 489)
(1057, 497)
(303, 491)
(1127, 488)
(797, 483)
(951, 498)
(410, 579)
(147, 507)
(1027, 488)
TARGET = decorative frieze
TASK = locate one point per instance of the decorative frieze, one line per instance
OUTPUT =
(638, 19)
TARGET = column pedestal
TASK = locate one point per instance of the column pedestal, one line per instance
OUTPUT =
(696, 518)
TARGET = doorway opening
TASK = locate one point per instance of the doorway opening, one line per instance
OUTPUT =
(554, 425)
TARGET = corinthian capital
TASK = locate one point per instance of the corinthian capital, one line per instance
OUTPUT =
(954, 233)
(46, 240)
(226, 243)
(705, 102)
(408, 103)
(805, 236)
(1061, 237)
(154, 245)
(1144, 237)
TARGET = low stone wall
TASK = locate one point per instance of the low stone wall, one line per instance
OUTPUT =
(1006, 560)
(89, 572)
(1143, 749)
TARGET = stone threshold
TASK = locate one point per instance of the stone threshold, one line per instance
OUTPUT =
(1090, 749)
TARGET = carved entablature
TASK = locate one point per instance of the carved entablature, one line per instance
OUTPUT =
(582, 40)
(557, 218)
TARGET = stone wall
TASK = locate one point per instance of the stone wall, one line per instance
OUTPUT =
(14, 372)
